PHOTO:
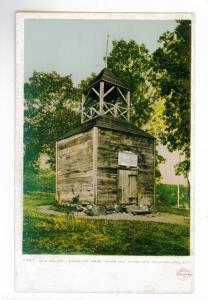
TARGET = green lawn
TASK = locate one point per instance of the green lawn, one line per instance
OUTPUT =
(174, 210)
(47, 234)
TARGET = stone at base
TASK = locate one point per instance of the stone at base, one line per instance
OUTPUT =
(140, 212)
(96, 210)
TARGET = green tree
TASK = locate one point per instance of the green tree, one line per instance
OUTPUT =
(85, 83)
(173, 60)
(51, 109)
(133, 64)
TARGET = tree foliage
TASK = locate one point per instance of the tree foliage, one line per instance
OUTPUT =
(51, 109)
(133, 64)
(85, 83)
(173, 60)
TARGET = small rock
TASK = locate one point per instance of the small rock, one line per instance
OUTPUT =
(145, 207)
(89, 212)
(79, 208)
(131, 208)
(84, 209)
(96, 210)
(109, 209)
(140, 212)
(99, 210)
(124, 210)
(89, 206)
(118, 208)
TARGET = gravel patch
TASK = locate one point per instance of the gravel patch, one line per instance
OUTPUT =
(46, 209)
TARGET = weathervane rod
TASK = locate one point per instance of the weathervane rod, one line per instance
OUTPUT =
(106, 52)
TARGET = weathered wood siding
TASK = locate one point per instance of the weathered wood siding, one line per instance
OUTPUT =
(87, 166)
(75, 168)
(109, 144)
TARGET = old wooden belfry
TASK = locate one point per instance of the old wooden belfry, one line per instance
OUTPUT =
(106, 160)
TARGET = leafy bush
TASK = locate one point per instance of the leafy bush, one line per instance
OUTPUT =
(166, 195)
(40, 180)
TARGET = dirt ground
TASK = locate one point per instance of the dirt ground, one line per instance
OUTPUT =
(160, 217)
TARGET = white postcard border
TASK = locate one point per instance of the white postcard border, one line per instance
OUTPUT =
(55, 273)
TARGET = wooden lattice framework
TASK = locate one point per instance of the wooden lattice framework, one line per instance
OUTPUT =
(105, 97)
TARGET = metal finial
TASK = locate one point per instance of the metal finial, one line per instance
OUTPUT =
(106, 52)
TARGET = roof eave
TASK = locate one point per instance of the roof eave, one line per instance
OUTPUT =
(95, 123)
(95, 82)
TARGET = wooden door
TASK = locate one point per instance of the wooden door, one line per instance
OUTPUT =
(132, 188)
(127, 186)
(123, 186)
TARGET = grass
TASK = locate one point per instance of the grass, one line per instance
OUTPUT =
(47, 234)
(174, 210)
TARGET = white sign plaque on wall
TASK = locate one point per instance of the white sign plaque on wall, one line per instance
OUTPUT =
(127, 158)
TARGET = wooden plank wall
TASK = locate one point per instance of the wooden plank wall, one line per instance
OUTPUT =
(75, 168)
(109, 144)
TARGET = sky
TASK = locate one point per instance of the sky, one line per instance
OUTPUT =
(77, 47)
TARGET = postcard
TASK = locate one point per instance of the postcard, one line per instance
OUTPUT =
(104, 184)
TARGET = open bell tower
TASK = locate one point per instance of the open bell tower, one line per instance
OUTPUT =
(106, 95)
